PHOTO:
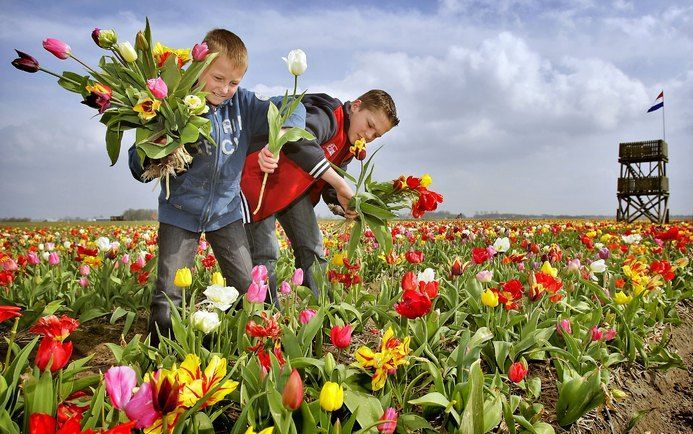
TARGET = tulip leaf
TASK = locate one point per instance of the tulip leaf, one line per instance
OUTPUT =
(355, 238)
(190, 134)
(170, 73)
(366, 407)
(433, 399)
(113, 139)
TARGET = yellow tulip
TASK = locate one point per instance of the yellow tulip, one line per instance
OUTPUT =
(338, 259)
(183, 277)
(147, 108)
(546, 268)
(250, 430)
(621, 298)
(489, 298)
(331, 396)
(426, 180)
(218, 279)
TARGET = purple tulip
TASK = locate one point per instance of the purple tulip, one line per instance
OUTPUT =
(158, 87)
(120, 380)
(57, 47)
(604, 253)
(200, 51)
(25, 62)
(141, 407)
(33, 258)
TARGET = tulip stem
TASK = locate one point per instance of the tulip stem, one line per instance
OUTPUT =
(86, 66)
(13, 335)
(59, 76)
(262, 193)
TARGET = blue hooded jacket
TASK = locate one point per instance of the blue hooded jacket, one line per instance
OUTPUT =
(208, 196)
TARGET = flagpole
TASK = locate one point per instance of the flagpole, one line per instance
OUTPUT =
(664, 131)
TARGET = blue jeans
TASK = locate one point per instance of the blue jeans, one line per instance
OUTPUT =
(177, 249)
(301, 227)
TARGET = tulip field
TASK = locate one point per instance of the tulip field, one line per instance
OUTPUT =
(464, 327)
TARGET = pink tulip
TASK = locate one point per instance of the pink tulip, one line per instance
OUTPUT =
(306, 315)
(120, 380)
(285, 288)
(140, 262)
(158, 87)
(200, 51)
(259, 273)
(84, 270)
(83, 282)
(125, 259)
(297, 278)
(53, 258)
(388, 421)
(57, 47)
(564, 326)
(141, 408)
(596, 333)
(203, 245)
(257, 292)
(609, 334)
(10, 265)
(33, 259)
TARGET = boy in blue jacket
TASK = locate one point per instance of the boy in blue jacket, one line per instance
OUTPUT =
(206, 198)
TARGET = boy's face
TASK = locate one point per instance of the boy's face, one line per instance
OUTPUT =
(221, 80)
(366, 124)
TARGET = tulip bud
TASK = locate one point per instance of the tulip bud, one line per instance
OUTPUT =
(25, 62)
(285, 288)
(297, 278)
(218, 279)
(57, 47)
(104, 38)
(306, 315)
(388, 421)
(205, 321)
(296, 62)
(183, 277)
(141, 42)
(329, 364)
(53, 258)
(292, 396)
(517, 372)
(341, 336)
(125, 49)
(157, 86)
(200, 51)
(331, 396)
(596, 333)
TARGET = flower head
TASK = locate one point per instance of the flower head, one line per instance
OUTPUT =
(147, 108)
(57, 47)
(517, 372)
(200, 51)
(104, 38)
(331, 396)
(157, 86)
(25, 62)
(296, 62)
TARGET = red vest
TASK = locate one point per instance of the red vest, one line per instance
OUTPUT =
(289, 181)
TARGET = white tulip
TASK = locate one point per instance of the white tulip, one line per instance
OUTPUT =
(427, 276)
(296, 62)
(103, 244)
(205, 321)
(221, 297)
(598, 266)
(501, 244)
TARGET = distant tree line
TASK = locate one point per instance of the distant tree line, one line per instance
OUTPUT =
(139, 214)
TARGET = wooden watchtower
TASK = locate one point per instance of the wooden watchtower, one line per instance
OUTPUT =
(643, 186)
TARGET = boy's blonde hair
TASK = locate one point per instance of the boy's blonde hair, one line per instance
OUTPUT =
(377, 99)
(229, 45)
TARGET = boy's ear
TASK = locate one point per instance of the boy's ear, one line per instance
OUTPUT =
(356, 104)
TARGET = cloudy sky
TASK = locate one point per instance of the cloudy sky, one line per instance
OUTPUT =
(510, 105)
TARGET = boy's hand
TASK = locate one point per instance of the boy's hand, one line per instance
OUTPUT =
(268, 162)
(344, 196)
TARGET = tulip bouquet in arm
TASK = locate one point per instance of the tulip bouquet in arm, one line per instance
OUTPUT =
(143, 87)
(297, 64)
(376, 202)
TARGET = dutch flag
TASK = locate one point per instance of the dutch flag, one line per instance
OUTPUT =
(659, 102)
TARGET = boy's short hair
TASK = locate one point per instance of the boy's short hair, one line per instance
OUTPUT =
(377, 99)
(227, 44)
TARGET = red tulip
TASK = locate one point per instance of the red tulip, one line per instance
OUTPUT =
(25, 62)
(8, 312)
(456, 268)
(414, 304)
(56, 351)
(517, 372)
(596, 333)
(414, 256)
(341, 336)
(479, 255)
(292, 396)
(55, 328)
(57, 47)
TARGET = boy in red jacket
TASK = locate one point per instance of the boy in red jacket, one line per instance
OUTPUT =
(304, 174)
